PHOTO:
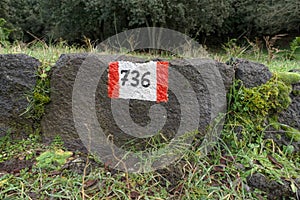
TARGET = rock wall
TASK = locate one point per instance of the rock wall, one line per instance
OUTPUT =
(18, 78)
(58, 118)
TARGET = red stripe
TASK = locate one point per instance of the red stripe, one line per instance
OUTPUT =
(113, 80)
(162, 81)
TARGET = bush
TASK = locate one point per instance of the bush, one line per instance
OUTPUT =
(23, 16)
(71, 20)
(95, 19)
(4, 32)
(263, 17)
(294, 46)
(67, 19)
(4, 9)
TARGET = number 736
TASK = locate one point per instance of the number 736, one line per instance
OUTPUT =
(135, 78)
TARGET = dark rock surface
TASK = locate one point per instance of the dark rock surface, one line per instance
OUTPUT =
(15, 165)
(58, 118)
(227, 73)
(252, 74)
(291, 116)
(17, 78)
(273, 189)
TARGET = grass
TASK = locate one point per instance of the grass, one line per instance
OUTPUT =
(48, 54)
(217, 176)
(278, 64)
(222, 174)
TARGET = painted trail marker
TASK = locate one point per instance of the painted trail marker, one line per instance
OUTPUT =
(143, 81)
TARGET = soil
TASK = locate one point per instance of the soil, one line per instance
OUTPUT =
(15, 165)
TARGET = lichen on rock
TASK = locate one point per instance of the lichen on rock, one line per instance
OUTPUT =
(271, 108)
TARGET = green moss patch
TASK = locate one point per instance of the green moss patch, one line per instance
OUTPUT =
(254, 109)
(259, 102)
(53, 159)
(291, 132)
(289, 77)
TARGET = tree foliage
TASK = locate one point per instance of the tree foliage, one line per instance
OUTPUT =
(263, 17)
(23, 16)
(73, 19)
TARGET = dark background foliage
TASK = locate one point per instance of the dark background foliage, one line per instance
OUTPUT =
(71, 20)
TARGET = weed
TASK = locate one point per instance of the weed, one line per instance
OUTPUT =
(294, 46)
(57, 143)
(270, 45)
(232, 49)
(256, 47)
(52, 159)
(260, 101)
(4, 32)
(289, 78)
(291, 132)
(40, 95)
(24, 148)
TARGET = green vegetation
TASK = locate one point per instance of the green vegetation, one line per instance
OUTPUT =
(292, 132)
(73, 19)
(4, 32)
(32, 170)
(241, 151)
(48, 55)
(294, 45)
(40, 96)
(261, 101)
(53, 159)
(289, 77)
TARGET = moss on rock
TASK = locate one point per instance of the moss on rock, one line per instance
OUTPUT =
(296, 92)
(289, 77)
(291, 132)
(256, 108)
(262, 100)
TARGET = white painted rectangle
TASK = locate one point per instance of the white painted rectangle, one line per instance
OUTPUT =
(137, 80)
(142, 81)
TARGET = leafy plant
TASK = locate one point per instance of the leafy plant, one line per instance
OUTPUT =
(240, 152)
(291, 132)
(262, 17)
(250, 108)
(40, 95)
(263, 100)
(4, 32)
(233, 49)
(113, 16)
(24, 17)
(289, 77)
(294, 46)
(57, 142)
(24, 148)
(52, 159)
